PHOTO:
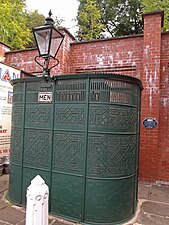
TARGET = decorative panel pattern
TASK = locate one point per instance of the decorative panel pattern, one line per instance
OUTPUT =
(32, 97)
(118, 92)
(70, 116)
(34, 88)
(17, 115)
(111, 155)
(16, 145)
(18, 87)
(68, 152)
(37, 148)
(71, 91)
(113, 118)
(38, 116)
(18, 97)
(39, 86)
(88, 157)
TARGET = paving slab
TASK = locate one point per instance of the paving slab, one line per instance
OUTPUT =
(51, 221)
(154, 213)
(148, 219)
(4, 183)
(159, 193)
(2, 203)
(11, 215)
(155, 208)
(59, 221)
(143, 190)
(23, 222)
(3, 223)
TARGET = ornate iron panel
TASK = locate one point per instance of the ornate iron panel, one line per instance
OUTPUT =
(113, 118)
(68, 152)
(38, 116)
(16, 146)
(111, 155)
(70, 116)
(37, 148)
(17, 115)
(84, 143)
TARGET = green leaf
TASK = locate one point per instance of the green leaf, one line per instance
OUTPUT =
(114, 17)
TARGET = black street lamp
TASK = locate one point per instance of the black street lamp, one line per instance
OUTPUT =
(48, 40)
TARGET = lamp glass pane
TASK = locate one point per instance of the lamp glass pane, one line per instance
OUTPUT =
(43, 40)
(56, 41)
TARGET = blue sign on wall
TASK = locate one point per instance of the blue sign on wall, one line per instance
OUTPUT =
(150, 123)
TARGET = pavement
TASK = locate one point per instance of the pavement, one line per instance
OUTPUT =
(153, 206)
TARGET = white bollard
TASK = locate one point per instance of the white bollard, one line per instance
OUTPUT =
(37, 202)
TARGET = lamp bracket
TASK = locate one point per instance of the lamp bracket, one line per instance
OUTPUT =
(36, 57)
(57, 62)
(46, 69)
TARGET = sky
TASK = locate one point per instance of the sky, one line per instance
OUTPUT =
(62, 9)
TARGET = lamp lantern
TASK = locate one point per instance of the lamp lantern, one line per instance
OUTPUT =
(48, 41)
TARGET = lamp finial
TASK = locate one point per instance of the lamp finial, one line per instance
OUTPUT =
(50, 13)
(49, 20)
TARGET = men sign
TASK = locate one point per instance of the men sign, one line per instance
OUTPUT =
(45, 97)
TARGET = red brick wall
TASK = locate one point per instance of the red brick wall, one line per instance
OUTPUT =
(145, 57)
(151, 95)
(3, 49)
(163, 160)
(118, 55)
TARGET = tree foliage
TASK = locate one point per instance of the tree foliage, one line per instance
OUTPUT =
(33, 19)
(116, 17)
(89, 21)
(13, 29)
(153, 5)
(121, 17)
(17, 23)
